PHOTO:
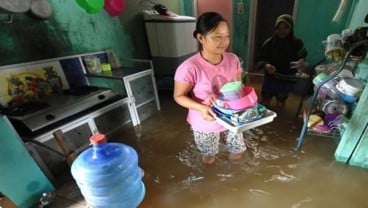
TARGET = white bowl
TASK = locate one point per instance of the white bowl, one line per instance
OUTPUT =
(350, 86)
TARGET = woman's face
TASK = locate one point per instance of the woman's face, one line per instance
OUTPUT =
(283, 30)
(218, 40)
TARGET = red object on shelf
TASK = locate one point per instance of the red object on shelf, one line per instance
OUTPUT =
(114, 7)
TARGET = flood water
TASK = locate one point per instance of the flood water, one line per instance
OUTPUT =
(271, 173)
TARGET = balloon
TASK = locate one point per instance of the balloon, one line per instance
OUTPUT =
(114, 7)
(91, 6)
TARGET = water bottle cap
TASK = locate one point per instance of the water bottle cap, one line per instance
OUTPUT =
(97, 139)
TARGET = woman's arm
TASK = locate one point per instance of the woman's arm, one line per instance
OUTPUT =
(181, 96)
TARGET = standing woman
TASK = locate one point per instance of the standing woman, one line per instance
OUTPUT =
(197, 84)
(281, 56)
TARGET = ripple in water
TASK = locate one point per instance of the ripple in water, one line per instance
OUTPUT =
(259, 153)
(282, 177)
(300, 204)
(258, 192)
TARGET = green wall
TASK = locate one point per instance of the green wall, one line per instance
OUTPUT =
(240, 30)
(186, 8)
(69, 31)
(315, 21)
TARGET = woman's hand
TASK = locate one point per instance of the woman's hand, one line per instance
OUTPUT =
(210, 100)
(297, 64)
(207, 113)
(181, 96)
(301, 64)
(270, 69)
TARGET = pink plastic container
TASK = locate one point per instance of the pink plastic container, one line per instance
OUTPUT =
(249, 99)
(114, 7)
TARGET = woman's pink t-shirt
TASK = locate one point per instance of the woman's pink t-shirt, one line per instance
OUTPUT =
(207, 79)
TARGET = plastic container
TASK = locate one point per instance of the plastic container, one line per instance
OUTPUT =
(113, 59)
(267, 117)
(249, 99)
(232, 90)
(334, 50)
(108, 175)
(333, 106)
(328, 90)
(350, 86)
(320, 78)
(93, 64)
(105, 67)
(347, 98)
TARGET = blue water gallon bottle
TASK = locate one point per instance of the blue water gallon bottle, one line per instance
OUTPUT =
(108, 175)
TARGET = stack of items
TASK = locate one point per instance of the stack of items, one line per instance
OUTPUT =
(336, 98)
(238, 104)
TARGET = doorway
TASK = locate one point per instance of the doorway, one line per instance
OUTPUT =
(223, 7)
(264, 13)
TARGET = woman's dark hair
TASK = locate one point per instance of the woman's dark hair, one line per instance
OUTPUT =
(207, 22)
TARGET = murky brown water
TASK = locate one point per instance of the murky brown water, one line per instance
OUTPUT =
(271, 173)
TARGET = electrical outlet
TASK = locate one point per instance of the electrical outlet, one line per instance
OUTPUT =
(241, 7)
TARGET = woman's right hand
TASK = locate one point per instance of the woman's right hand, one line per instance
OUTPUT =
(181, 92)
(270, 69)
(207, 113)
